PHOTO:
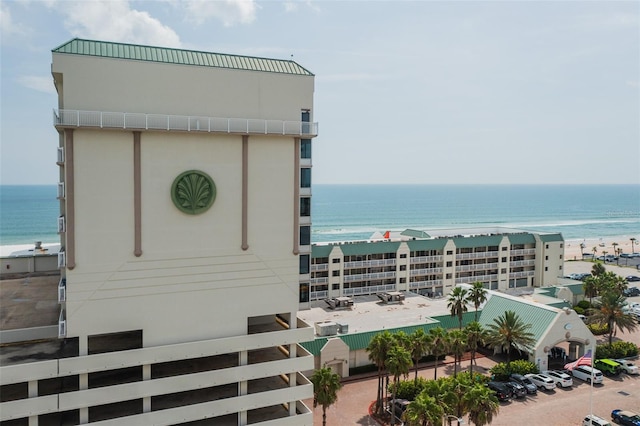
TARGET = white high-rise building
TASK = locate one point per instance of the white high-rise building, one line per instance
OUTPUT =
(185, 225)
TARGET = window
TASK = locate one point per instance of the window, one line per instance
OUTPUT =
(305, 206)
(304, 263)
(546, 258)
(546, 268)
(403, 280)
(305, 148)
(335, 273)
(504, 259)
(448, 276)
(503, 270)
(504, 248)
(403, 267)
(403, 255)
(561, 257)
(305, 177)
(449, 263)
(335, 286)
(547, 246)
(305, 235)
(449, 252)
(336, 260)
(561, 245)
(304, 292)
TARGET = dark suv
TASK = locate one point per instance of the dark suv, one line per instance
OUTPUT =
(502, 391)
(528, 384)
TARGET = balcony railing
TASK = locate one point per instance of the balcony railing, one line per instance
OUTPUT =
(369, 263)
(62, 290)
(530, 262)
(373, 289)
(427, 271)
(522, 252)
(367, 277)
(426, 259)
(422, 284)
(141, 121)
(477, 255)
(319, 267)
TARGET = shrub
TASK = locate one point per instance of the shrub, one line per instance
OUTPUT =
(616, 350)
(579, 310)
(598, 329)
(502, 371)
(583, 304)
(409, 389)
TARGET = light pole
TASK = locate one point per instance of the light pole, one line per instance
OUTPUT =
(459, 419)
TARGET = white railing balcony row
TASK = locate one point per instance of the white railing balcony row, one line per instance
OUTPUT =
(62, 325)
(426, 259)
(369, 263)
(423, 284)
(482, 278)
(61, 225)
(60, 155)
(318, 295)
(522, 252)
(477, 267)
(373, 289)
(61, 190)
(427, 271)
(142, 121)
(320, 280)
(530, 262)
(319, 267)
(62, 260)
(478, 255)
(366, 277)
(522, 274)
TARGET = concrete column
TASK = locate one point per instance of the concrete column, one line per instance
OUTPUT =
(243, 359)
(33, 392)
(83, 350)
(146, 401)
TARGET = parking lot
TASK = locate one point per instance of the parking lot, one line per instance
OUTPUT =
(560, 407)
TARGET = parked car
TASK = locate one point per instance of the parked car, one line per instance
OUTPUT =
(593, 420)
(632, 279)
(528, 384)
(517, 390)
(501, 390)
(627, 366)
(608, 366)
(542, 381)
(631, 291)
(625, 418)
(400, 407)
(588, 374)
(562, 379)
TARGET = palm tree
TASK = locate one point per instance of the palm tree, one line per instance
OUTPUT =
(590, 287)
(610, 311)
(424, 410)
(615, 250)
(477, 295)
(457, 345)
(458, 303)
(439, 345)
(476, 336)
(611, 281)
(326, 384)
(398, 363)
(378, 349)
(481, 404)
(633, 241)
(595, 251)
(598, 269)
(440, 389)
(509, 331)
(582, 247)
(418, 346)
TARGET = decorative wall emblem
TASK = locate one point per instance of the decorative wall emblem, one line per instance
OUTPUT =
(193, 192)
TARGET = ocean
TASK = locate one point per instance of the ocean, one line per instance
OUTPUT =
(355, 212)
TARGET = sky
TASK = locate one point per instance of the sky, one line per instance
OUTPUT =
(406, 92)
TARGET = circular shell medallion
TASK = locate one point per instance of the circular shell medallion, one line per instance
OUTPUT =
(193, 192)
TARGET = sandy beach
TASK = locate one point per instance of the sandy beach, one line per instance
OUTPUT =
(573, 251)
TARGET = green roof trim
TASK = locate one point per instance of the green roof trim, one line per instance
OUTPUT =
(560, 305)
(540, 317)
(363, 249)
(321, 251)
(435, 244)
(415, 233)
(576, 289)
(167, 55)
(478, 241)
(551, 238)
(358, 341)
(524, 238)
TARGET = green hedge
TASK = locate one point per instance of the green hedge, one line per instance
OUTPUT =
(502, 371)
(616, 350)
(598, 329)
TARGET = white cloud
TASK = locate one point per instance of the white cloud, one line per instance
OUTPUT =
(230, 12)
(7, 26)
(41, 84)
(114, 20)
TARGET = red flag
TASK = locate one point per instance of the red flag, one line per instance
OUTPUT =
(387, 234)
(583, 360)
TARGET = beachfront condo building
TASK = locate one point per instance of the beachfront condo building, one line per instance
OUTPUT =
(185, 214)
(433, 262)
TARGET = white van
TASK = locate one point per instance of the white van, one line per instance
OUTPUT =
(593, 420)
(584, 372)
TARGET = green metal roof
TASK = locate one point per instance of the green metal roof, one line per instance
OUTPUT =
(522, 238)
(358, 341)
(320, 251)
(435, 244)
(540, 317)
(478, 241)
(415, 233)
(178, 56)
(549, 238)
(369, 248)
(560, 305)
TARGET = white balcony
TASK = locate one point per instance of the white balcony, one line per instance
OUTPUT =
(369, 263)
(426, 259)
(319, 267)
(61, 190)
(62, 325)
(61, 225)
(140, 121)
(62, 290)
(60, 155)
(373, 289)
(62, 260)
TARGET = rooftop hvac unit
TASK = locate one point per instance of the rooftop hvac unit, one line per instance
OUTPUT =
(391, 296)
(328, 328)
(339, 302)
(343, 328)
